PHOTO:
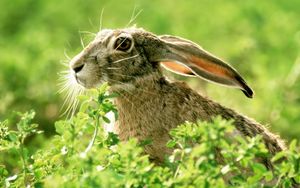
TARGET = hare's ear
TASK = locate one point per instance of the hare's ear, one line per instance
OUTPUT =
(187, 58)
(177, 68)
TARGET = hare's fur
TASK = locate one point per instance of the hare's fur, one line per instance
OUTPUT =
(149, 105)
(159, 105)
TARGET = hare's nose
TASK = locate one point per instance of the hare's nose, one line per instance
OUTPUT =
(77, 63)
(78, 68)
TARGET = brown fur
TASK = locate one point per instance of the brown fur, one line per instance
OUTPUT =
(149, 105)
(157, 105)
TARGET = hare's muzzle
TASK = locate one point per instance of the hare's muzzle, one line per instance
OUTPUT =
(77, 63)
(78, 69)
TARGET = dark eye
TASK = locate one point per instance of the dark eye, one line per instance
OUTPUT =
(122, 44)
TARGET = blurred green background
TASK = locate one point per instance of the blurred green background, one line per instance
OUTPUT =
(261, 39)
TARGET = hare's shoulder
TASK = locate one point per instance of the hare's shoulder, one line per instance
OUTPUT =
(188, 103)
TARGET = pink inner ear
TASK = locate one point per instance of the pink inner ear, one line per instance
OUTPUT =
(212, 68)
(175, 67)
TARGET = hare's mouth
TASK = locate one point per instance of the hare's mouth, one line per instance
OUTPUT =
(83, 82)
(80, 82)
(86, 80)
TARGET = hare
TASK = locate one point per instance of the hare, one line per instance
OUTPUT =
(150, 105)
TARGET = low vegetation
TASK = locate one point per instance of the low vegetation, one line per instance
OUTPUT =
(81, 154)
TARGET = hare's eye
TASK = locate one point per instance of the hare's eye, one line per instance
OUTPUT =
(122, 44)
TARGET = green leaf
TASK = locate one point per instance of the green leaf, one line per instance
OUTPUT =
(112, 139)
(103, 88)
(3, 171)
(253, 180)
(60, 127)
(105, 119)
(112, 95)
(115, 113)
(225, 169)
(297, 178)
(293, 145)
(13, 137)
(171, 144)
(145, 142)
(259, 168)
(278, 156)
(83, 98)
(268, 176)
(84, 106)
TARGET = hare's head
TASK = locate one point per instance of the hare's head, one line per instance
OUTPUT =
(124, 55)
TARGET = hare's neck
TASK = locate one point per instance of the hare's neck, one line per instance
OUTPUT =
(140, 83)
(140, 90)
(138, 99)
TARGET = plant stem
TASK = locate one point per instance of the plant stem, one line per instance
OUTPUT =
(89, 147)
(21, 152)
(181, 157)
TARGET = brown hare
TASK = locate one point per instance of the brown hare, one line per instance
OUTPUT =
(149, 105)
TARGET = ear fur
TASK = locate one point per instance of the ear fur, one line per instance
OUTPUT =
(187, 58)
(177, 68)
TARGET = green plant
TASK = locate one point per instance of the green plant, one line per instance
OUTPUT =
(81, 154)
(13, 141)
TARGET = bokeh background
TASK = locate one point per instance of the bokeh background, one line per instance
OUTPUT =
(261, 39)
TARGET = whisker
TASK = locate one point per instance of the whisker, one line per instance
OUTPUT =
(133, 17)
(68, 103)
(81, 41)
(64, 73)
(124, 59)
(71, 90)
(113, 68)
(65, 63)
(76, 102)
(66, 55)
(69, 95)
(115, 49)
(88, 33)
(91, 23)
(73, 102)
(101, 19)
